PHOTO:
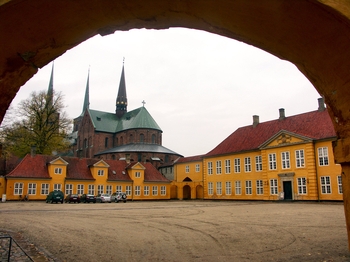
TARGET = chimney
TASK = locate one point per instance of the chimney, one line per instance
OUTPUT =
(321, 106)
(282, 114)
(255, 120)
(33, 151)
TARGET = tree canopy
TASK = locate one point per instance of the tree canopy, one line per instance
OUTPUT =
(39, 122)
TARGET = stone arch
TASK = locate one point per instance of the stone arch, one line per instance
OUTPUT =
(186, 192)
(313, 35)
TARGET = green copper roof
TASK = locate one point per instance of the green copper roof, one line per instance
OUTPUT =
(109, 122)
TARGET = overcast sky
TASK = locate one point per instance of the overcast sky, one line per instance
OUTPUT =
(199, 87)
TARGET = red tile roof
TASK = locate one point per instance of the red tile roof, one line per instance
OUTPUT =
(190, 159)
(152, 174)
(117, 170)
(314, 125)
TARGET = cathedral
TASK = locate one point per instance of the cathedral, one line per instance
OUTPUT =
(124, 135)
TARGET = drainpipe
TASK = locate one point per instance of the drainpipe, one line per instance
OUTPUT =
(317, 185)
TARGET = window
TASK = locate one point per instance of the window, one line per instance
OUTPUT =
(228, 188)
(301, 185)
(99, 189)
(259, 187)
(218, 167)
(69, 189)
(154, 190)
(119, 189)
(109, 189)
(248, 187)
(273, 187)
(299, 158)
(325, 185)
(340, 185)
(218, 188)
(238, 188)
(272, 161)
(57, 187)
(106, 142)
(258, 163)
(197, 168)
(58, 171)
(45, 189)
(187, 169)
(142, 138)
(91, 189)
(163, 190)
(210, 188)
(227, 166)
(80, 189)
(237, 165)
(285, 160)
(153, 139)
(323, 156)
(128, 190)
(18, 189)
(210, 168)
(247, 166)
(31, 189)
(137, 174)
(146, 190)
(137, 190)
(100, 172)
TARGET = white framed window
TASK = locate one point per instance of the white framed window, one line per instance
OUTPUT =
(109, 189)
(31, 189)
(273, 187)
(128, 190)
(197, 168)
(100, 189)
(80, 189)
(218, 167)
(45, 189)
(91, 189)
(137, 174)
(326, 185)
(237, 165)
(210, 188)
(247, 165)
(218, 188)
(272, 161)
(137, 190)
(69, 189)
(299, 158)
(146, 190)
(163, 190)
(258, 163)
(323, 156)
(210, 168)
(238, 188)
(285, 160)
(227, 166)
(57, 187)
(302, 185)
(187, 169)
(155, 190)
(248, 187)
(228, 188)
(259, 187)
(100, 172)
(18, 189)
(118, 188)
(340, 185)
(58, 170)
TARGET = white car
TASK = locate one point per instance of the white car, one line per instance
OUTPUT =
(103, 198)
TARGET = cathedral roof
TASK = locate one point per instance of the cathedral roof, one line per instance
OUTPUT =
(109, 122)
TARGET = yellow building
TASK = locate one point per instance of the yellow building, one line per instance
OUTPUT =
(37, 175)
(290, 158)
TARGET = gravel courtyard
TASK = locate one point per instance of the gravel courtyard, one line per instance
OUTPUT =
(182, 230)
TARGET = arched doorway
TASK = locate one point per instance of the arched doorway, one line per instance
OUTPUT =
(186, 192)
(199, 192)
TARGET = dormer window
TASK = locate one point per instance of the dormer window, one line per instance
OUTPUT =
(58, 170)
(100, 172)
(137, 174)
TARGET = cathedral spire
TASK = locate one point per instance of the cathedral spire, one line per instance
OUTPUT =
(86, 98)
(122, 101)
(50, 89)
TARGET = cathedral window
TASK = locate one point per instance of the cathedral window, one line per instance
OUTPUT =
(106, 142)
(153, 139)
(142, 138)
(131, 138)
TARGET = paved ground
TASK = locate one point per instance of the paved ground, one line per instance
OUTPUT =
(181, 230)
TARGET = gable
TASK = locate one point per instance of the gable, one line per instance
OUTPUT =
(101, 163)
(138, 166)
(59, 161)
(284, 138)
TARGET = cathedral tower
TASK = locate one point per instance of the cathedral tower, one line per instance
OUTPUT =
(122, 101)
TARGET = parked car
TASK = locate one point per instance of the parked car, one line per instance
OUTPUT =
(55, 197)
(118, 196)
(103, 198)
(87, 198)
(72, 198)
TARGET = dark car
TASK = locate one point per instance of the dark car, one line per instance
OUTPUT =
(55, 197)
(119, 196)
(72, 198)
(87, 198)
